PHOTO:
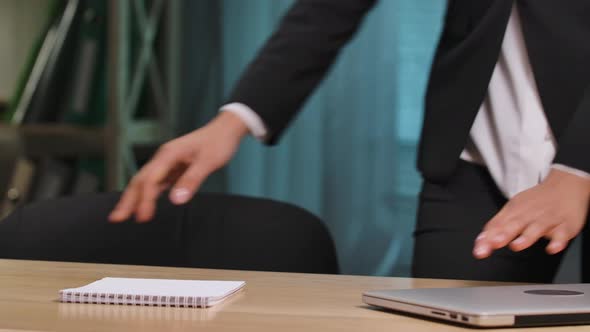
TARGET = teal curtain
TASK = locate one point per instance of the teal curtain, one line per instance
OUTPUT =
(350, 155)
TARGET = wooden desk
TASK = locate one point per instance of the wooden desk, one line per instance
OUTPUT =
(270, 302)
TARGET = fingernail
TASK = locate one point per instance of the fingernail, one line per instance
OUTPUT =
(180, 196)
(555, 246)
(481, 251)
(481, 236)
(115, 215)
(519, 240)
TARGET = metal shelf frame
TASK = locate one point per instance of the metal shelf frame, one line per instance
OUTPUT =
(127, 77)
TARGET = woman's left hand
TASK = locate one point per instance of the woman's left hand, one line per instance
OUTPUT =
(555, 209)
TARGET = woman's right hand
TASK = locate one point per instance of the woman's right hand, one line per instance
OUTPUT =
(181, 164)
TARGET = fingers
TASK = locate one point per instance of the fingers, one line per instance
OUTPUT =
(551, 209)
(152, 183)
(531, 234)
(520, 235)
(141, 194)
(126, 204)
(560, 237)
(489, 241)
(190, 181)
(143, 191)
(146, 206)
(499, 232)
(188, 159)
(482, 248)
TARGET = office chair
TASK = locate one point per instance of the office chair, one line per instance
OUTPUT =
(212, 231)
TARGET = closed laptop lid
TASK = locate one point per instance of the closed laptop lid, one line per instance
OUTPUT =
(559, 304)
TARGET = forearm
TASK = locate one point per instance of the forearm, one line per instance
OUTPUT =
(296, 58)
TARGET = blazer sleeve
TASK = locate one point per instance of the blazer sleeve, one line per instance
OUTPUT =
(295, 59)
(574, 145)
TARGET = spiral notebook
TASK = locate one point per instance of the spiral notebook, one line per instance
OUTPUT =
(153, 292)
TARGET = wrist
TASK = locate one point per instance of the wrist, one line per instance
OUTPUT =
(232, 123)
(558, 177)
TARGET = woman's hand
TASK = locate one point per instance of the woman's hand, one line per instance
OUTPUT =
(181, 164)
(555, 209)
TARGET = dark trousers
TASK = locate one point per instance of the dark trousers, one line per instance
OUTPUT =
(451, 215)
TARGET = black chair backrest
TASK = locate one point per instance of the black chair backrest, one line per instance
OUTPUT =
(212, 231)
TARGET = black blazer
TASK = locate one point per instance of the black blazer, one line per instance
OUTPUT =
(557, 36)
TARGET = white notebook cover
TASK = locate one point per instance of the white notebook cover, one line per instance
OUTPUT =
(152, 292)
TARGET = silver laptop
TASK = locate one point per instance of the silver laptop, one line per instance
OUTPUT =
(492, 306)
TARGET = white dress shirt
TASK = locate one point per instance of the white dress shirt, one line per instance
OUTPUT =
(510, 135)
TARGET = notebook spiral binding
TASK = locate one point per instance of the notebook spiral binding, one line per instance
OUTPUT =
(134, 299)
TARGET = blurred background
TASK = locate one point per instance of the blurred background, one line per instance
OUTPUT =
(90, 88)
